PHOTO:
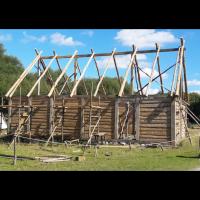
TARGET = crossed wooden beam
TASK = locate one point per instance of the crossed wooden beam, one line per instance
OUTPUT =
(179, 82)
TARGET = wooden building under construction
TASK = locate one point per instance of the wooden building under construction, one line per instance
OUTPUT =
(145, 117)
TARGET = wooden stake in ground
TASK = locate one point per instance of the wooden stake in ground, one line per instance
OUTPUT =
(15, 156)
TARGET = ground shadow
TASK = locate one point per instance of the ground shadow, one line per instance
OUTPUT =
(197, 156)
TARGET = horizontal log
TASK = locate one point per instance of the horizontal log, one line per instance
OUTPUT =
(109, 54)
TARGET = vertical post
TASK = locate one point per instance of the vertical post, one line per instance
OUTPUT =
(15, 156)
(82, 117)
(9, 114)
(39, 73)
(137, 119)
(30, 114)
(173, 122)
(116, 134)
(75, 75)
(63, 114)
(180, 68)
(51, 102)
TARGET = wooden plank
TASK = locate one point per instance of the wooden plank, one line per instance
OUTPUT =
(116, 122)
(173, 121)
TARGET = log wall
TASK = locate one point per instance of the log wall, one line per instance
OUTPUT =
(149, 117)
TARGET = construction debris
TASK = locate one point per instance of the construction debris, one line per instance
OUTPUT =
(50, 159)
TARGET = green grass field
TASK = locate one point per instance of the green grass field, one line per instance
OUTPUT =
(185, 157)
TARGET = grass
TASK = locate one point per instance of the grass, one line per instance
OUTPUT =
(185, 157)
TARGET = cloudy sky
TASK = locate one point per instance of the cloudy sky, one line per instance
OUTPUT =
(21, 43)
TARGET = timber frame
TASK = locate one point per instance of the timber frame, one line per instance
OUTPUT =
(55, 103)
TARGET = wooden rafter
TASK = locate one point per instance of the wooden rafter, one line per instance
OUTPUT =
(97, 68)
(152, 71)
(81, 77)
(104, 73)
(61, 75)
(117, 71)
(64, 77)
(127, 71)
(41, 76)
(180, 68)
(159, 72)
(185, 77)
(138, 74)
(175, 71)
(49, 77)
(22, 77)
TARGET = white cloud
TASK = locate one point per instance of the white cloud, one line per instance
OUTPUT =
(144, 37)
(89, 33)
(32, 38)
(122, 61)
(60, 39)
(193, 83)
(151, 90)
(5, 37)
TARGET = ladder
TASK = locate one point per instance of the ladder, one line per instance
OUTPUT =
(94, 120)
(23, 119)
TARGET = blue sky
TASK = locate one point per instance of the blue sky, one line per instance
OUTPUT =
(21, 43)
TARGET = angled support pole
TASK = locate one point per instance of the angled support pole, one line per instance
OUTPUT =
(98, 71)
(81, 77)
(185, 78)
(180, 68)
(23, 75)
(175, 71)
(138, 75)
(65, 83)
(127, 72)
(153, 68)
(48, 77)
(79, 70)
(61, 75)
(104, 73)
(117, 71)
(65, 78)
(41, 76)
(159, 71)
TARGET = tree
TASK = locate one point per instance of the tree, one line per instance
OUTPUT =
(194, 99)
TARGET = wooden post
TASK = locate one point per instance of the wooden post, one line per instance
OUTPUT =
(152, 71)
(14, 148)
(81, 77)
(159, 71)
(127, 72)
(175, 70)
(82, 117)
(173, 122)
(185, 78)
(62, 74)
(9, 114)
(116, 135)
(104, 73)
(51, 114)
(75, 74)
(39, 73)
(29, 120)
(180, 68)
(137, 119)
